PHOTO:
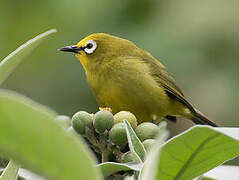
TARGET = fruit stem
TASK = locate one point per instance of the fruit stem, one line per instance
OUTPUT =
(104, 155)
(116, 151)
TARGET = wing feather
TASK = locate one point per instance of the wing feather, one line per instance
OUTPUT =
(165, 80)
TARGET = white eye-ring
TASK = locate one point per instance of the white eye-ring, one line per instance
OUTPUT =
(90, 46)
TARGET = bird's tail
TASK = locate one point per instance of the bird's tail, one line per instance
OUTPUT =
(199, 118)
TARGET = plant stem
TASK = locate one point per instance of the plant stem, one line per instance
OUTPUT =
(104, 155)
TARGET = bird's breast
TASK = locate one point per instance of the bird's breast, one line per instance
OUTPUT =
(134, 92)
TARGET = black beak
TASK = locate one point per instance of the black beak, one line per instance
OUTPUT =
(73, 49)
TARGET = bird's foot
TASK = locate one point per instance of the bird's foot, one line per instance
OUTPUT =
(105, 108)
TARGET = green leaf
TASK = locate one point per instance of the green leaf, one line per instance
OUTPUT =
(191, 153)
(10, 172)
(149, 170)
(8, 64)
(195, 152)
(109, 168)
(30, 134)
(135, 145)
(206, 178)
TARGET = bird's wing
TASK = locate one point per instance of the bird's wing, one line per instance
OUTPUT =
(166, 81)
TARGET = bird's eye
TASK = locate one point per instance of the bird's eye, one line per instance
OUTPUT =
(90, 46)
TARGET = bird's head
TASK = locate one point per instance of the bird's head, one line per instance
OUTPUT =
(99, 49)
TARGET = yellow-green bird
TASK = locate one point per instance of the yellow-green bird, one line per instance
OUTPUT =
(125, 77)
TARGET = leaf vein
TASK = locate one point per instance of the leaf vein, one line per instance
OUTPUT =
(189, 161)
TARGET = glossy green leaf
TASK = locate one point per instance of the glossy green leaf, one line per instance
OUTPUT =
(30, 134)
(8, 64)
(191, 153)
(205, 178)
(195, 152)
(135, 145)
(150, 167)
(10, 172)
(108, 168)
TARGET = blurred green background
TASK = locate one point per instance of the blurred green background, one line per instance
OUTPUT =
(197, 41)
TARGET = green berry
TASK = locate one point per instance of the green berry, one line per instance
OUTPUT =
(146, 130)
(149, 143)
(81, 120)
(118, 134)
(64, 120)
(125, 115)
(127, 157)
(103, 120)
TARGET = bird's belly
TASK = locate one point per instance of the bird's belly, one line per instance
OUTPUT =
(144, 104)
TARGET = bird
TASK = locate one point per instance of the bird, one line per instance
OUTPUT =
(124, 77)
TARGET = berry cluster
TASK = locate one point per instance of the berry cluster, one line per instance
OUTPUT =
(106, 134)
